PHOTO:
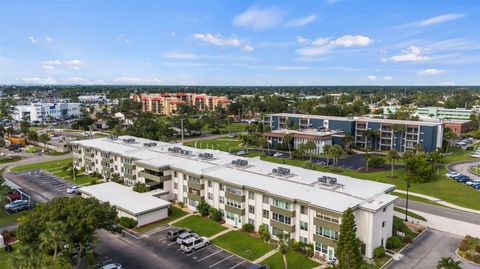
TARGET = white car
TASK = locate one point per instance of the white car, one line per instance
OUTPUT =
(194, 243)
(72, 190)
(452, 174)
(112, 266)
(185, 236)
(475, 155)
(470, 183)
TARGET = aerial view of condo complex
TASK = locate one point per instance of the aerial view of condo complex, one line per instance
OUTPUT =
(239, 134)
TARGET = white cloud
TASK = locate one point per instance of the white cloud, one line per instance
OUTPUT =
(37, 80)
(47, 67)
(48, 39)
(313, 51)
(412, 54)
(177, 55)
(447, 83)
(302, 40)
(247, 48)
(301, 21)
(349, 41)
(290, 67)
(320, 41)
(218, 40)
(387, 78)
(439, 19)
(71, 64)
(372, 77)
(431, 72)
(259, 19)
(76, 80)
(135, 80)
(32, 39)
(172, 34)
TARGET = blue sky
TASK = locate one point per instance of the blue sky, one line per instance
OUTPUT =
(323, 42)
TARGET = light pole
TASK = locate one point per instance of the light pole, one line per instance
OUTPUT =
(74, 163)
(181, 126)
(406, 207)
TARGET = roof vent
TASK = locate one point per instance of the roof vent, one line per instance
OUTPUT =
(281, 170)
(114, 137)
(149, 144)
(240, 163)
(129, 140)
(205, 156)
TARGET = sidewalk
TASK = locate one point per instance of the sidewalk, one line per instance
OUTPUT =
(439, 201)
(266, 256)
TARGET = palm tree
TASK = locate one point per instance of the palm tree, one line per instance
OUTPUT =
(401, 129)
(347, 141)
(448, 263)
(450, 136)
(418, 148)
(326, 152)
(288, 139)
(336, 152)
(53, 236)
(392, 156)
(310, 146)
(262, 142)
(370, 136)
(284, 246)
(366, 156)
(28, 257)
(437, 160)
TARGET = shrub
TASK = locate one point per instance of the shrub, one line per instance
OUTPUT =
(407, 239)
(393, 242)
(379, 252)
(248, 228)
(215, 214)
(140, 187)
(99, 176)
(181, 204)
(127, 222)
(93, 181)
(264, 233)
(376, 161)
(308, 165)
(203, 208)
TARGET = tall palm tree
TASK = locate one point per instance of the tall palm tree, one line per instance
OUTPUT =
(288, 139)
(370, 136)
(448, 263)
(310, 146)
(326, 152)
(347, 141)
(399, 128)
(29, 257)
(418, 148)
(283, 243)
(437, 159)
(336, 152)
(392, 156)
(366, 156)
(53, 236)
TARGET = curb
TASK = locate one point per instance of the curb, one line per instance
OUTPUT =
(463, 259)
(402, 249)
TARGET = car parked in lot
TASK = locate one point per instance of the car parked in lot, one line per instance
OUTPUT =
(73, 190)
(475, 155)
(185, 236)
(194, 243)
(472, 182)
(259, 266)
(279, 154)
(476, 186)
(112, 266)
(462, 179)
(173, 234)
(14, 195)
(18, 205)
(452, 174)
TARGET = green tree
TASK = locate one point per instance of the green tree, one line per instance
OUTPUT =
(400, 128)
(392, 156)
(370, 136)
(44, 138)
(2, 145)
(53, 237)
(29, 257)
(437, 160)
(348, 248)
(203, 207)
(32, 136)
(310, 147)
(347, 141)
(336, 152)
(25, 126)
(448, 263)
(283, 243)
(449, 137)
(327, 152)
(288, 141)
(419, 168)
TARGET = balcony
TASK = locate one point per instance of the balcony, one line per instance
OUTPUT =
(326, 224)
(154, 177)
(282, 211)
(238, 211)
(107, 169)
(131, 177)
(195, 197)
(129, 166)
(282, 226)
(195, 185)
(324, 240)
(235, 197)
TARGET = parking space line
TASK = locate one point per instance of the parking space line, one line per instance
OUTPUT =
(157, 230)
(237, 264)
(195, 252)
(172, 243)
(209, 255)
(220, 261)
(161, 238)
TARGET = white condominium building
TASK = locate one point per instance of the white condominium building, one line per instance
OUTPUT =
(305, 203)
(40, 112)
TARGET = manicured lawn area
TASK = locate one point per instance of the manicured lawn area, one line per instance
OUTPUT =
(243, 244)
(411, 214)
(201, 225)
(8, 218)
(223, 144)
(176, 213)
(440, 186)
(294, 260)
(10, 159)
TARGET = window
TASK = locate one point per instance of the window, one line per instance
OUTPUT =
(175, 185)
(175, 173)
(175, 197)
(221, 187)
(327, 217)
(303, 226)
(251, 209)
(251, 195)
(282, 204)
(234, 203)
(281, 218)
(220, 199)
(384, 209)
(325, 232)
(230, 215)
(383, 224)
(265, 199)
(321, 247)
(303, 240)
(251, 221)
(184, 188)
(210, 196)
(303, 210)
(276, 231)
(266, 214)
(185, 200)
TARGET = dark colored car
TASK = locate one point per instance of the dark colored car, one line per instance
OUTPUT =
(462, 179)
(259, 266)
(173, 234)
(476, 186)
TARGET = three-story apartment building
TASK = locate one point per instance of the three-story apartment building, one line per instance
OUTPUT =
(304, 203)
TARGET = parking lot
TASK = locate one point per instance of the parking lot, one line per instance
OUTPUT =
(47, 180)
(166, 252)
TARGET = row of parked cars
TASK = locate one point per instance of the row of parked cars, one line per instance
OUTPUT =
(476, 154)
(188, 240)
(474, 183)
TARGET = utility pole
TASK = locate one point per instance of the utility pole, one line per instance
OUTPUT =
(406, 207)
(73, 169)
(181, 126)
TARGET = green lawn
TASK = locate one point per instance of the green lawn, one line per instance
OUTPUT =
(10, 159)
(55, 167)
(201, 225)
(440, 187)
(222, 144)
(294, 260)
(243, 244)
(8, 218)
(411, 214)
(176, 213)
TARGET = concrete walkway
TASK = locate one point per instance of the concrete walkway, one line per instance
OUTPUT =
(439, 201)
(266, 256)
(179, 219)
(220, 234)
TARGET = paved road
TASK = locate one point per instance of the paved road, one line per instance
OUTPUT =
(464, 167)
(440, 211)
(427, 250)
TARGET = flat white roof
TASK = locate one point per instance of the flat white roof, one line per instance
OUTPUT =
(301, 184)
(124, 198)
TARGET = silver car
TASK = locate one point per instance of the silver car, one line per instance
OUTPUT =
(184, 236)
